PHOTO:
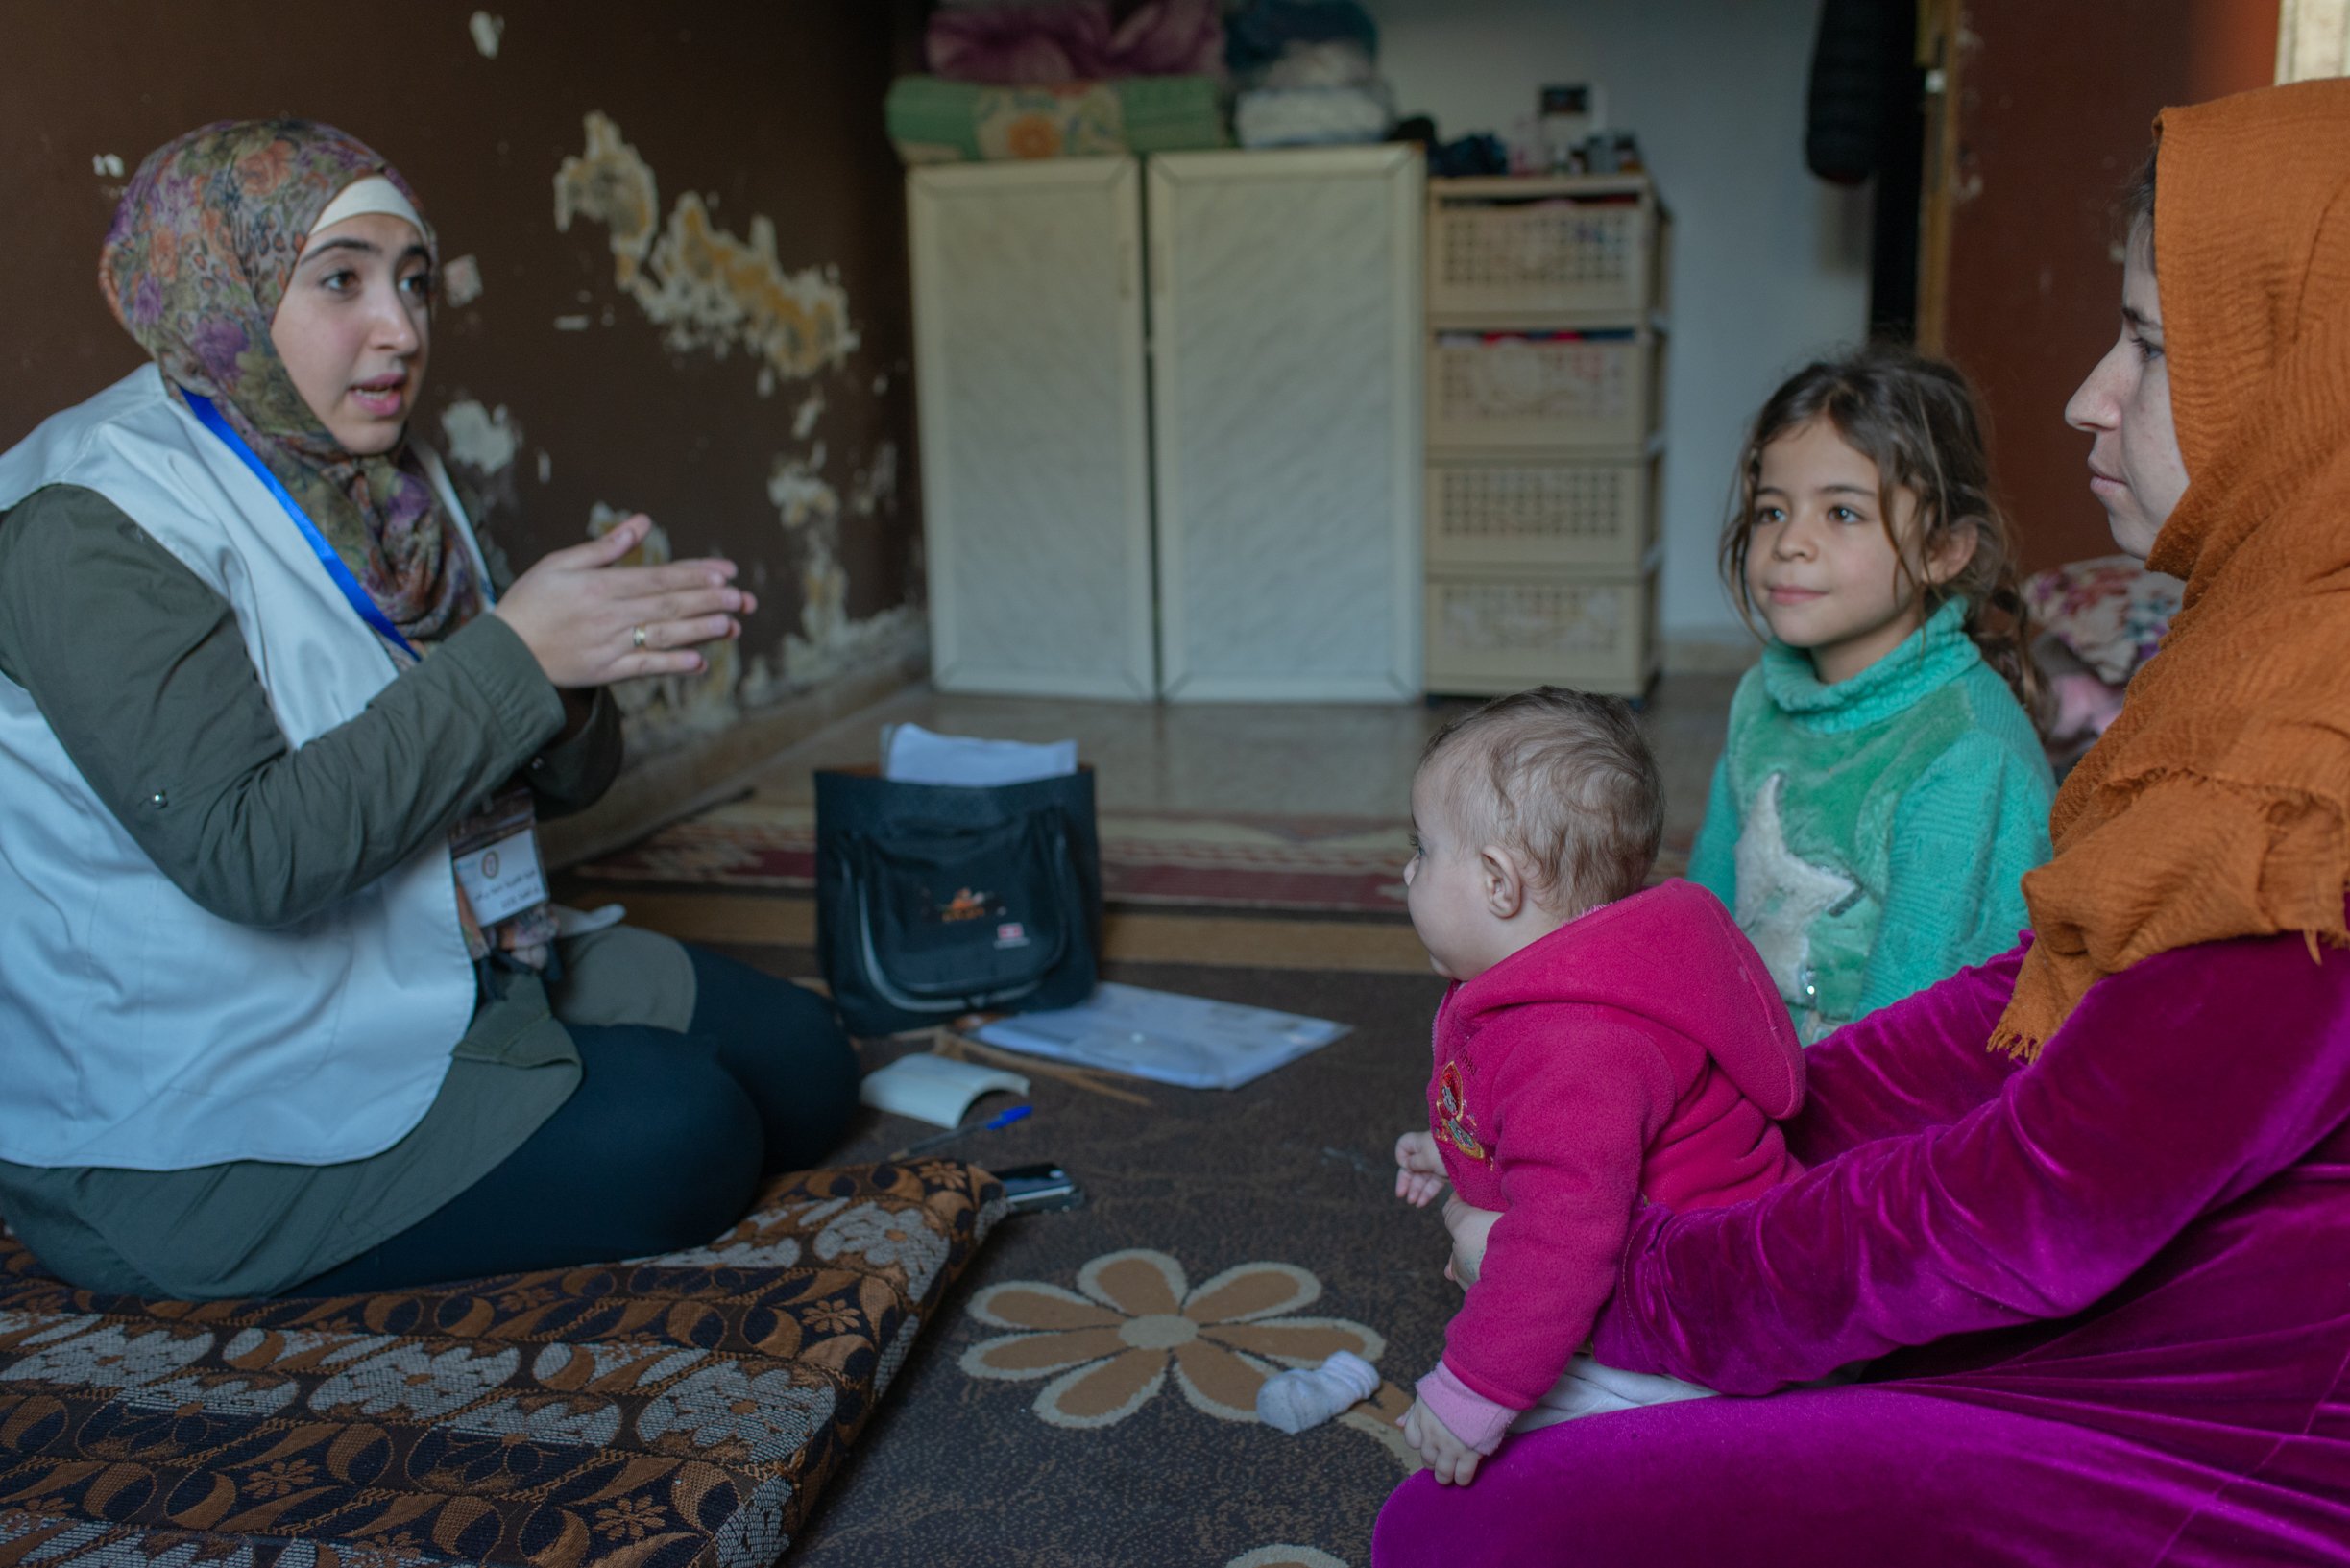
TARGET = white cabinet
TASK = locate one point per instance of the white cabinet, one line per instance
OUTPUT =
(1258, 536)
(1285, 422)
(1035, 461)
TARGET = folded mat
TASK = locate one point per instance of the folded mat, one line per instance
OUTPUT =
(681, 1410)
(935, 120)
(1062, 40)
(1313, 116)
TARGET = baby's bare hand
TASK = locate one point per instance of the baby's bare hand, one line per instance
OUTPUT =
(1419, 1189)
(1420, 1168)
(1470, 1228)
(1452, 1462)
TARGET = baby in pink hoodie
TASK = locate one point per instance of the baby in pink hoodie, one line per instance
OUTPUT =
(1600, 1048)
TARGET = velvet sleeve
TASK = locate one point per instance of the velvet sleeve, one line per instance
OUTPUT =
(1917, 1063)
(2175, 1087)
(1581, 1097)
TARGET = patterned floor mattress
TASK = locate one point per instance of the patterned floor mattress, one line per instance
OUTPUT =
(681, 1410)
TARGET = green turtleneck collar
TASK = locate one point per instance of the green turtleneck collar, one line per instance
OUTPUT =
(1929, 657)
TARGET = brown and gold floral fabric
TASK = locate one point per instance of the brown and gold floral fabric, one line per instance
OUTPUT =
(681, 1410)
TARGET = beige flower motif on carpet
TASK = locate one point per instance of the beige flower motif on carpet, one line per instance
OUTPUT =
(1282, 1555)
(1108, 1345)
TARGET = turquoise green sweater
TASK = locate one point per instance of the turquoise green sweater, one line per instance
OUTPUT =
(1871, 836)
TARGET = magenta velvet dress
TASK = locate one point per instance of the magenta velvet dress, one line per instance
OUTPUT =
(2124, 1271)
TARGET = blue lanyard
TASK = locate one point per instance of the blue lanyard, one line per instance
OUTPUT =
(369, 610)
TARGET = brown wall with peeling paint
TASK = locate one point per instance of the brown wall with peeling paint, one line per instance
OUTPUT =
(764, 107)
(2056, 106)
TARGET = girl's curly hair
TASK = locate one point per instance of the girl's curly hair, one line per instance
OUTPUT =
(1915, 418)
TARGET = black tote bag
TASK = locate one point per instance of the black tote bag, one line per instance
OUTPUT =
(938, 900)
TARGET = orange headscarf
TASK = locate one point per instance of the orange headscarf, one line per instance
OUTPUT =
(2219, 804)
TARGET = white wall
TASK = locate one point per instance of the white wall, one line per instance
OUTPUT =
(1770, 264)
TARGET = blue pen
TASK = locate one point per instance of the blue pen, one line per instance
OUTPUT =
(1002, 1118)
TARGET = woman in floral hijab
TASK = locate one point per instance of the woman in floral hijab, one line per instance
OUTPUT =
(202, 249)
(270, 751)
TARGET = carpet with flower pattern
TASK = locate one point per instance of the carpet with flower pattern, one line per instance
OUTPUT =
(1086, 1395)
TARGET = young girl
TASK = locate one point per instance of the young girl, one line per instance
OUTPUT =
(1881, 791)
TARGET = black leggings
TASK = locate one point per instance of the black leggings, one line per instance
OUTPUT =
(660, 1148)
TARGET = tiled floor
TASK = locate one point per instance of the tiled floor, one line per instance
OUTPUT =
(1332, 759)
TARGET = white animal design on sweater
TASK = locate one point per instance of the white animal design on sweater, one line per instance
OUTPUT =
(1781, 894)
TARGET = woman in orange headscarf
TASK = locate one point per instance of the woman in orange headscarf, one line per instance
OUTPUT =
(2079, 1218)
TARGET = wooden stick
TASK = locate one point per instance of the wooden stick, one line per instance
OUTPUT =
(1088, 1078)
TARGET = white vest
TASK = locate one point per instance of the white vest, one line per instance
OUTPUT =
(135, 1029)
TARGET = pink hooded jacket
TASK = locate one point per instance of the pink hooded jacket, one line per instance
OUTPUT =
(1639, 1053)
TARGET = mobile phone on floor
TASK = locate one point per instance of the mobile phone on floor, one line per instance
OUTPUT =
(1039, 1189)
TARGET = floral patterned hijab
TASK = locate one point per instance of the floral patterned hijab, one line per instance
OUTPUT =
(198, 259)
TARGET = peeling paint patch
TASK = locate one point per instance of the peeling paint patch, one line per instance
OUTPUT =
(708, 288)
(804, 418)
(810, 509)
(611, 184)
(763, 681)
(487, 30)
(661, 709)
(708, 701)
(546, 465)
(876, 490)
(824, 605)
(896, 633)
(799, 494)
(108, 165)
(480, 445)
(713, 291)
(570, 323)
(461, 281)
(828, 643)
(652, 550)
(479, 438)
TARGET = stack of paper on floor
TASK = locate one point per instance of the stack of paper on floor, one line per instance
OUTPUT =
(1159, 1035)
(913, 755)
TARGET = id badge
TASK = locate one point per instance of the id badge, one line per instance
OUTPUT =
(496, 857)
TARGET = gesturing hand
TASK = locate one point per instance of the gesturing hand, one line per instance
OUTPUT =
(589, 623)
(1420, 1168)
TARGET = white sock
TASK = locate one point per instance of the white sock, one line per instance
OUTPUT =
(1308, 1396)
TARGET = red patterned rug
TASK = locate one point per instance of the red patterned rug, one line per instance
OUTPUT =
(1346, 865)
(1352, 866)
